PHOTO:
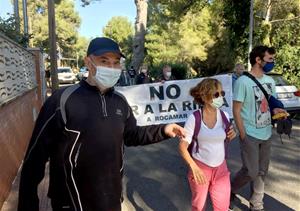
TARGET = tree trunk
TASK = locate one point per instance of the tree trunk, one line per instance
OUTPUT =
(267, 23)
(268, 13)
(140, 32)
(52, 43)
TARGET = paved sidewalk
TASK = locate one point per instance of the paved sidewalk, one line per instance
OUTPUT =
(155, 178)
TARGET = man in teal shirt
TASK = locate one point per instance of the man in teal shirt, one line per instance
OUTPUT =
(253, 119)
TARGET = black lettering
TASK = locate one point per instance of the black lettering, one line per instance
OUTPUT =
(148, 109)
(168, 91)
(159, 93)
(175, 116)
(186, 105)
(148, 119)
(172, 107)
(161, 108)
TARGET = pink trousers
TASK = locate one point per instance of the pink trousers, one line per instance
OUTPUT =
(217, 184)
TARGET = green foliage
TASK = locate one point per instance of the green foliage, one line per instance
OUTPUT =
(67, 24)
(121, 30)
(8, 27)
(174, 10)
(282, 32)
(179, 41)
(285, 37)
(80, 47)
(236, 21)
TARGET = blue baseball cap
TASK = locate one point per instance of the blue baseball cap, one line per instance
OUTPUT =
(102, 45)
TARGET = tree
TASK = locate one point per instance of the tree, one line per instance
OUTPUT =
(187, 40)
(67, 25)
(121, 30)
(8, 26)
(138, 42)
(138, 46)
(278, 25)
(80, 49)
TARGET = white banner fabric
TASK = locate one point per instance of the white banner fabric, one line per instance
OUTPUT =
(169, 102)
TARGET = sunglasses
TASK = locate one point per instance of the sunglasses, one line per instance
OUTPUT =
(217, 94)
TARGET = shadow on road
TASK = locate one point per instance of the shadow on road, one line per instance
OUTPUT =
(273, 204)
(156, 175)
(149, 191)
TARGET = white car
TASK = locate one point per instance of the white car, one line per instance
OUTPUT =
(83, 73)
(288, 94)
(66, 75)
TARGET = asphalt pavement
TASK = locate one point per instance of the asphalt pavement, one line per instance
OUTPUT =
(155, 178)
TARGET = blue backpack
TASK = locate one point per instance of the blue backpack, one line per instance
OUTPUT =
(198, 118)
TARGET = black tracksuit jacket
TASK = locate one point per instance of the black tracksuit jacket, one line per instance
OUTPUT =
(85, 153)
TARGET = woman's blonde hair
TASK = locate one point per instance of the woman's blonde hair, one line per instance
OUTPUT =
(205, 90)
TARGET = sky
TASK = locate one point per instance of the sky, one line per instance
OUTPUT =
(93, 17)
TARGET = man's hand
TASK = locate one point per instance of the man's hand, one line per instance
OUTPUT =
(174, 130)
(242, 136)
(89, 64)
(279, 110)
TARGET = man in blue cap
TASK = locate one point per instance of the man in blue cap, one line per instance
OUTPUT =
(82, 130)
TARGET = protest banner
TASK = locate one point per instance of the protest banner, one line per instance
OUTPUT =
(169, 102)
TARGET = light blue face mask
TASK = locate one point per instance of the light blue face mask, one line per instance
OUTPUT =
(217, 102)
(106, 76)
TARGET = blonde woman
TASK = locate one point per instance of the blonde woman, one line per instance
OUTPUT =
(203, 148)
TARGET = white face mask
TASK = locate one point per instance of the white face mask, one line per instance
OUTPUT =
(217, 102)
(107, 77)
(168, 74)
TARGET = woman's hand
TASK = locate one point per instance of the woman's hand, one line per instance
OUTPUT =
(231, 134)
(198, 174)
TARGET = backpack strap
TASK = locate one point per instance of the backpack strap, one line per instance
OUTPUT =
(197, 116)
(226, 125)
(63, 99)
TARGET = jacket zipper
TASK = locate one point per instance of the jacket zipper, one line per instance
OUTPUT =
(103, 103)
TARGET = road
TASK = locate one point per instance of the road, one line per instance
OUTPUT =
(155, 178)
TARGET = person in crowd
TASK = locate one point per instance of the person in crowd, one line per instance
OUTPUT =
(82, 131)
(143, 77)
(237, 72)
(124, 79)
(48, 77)
(166, 74)
(132, 75)
(204, 148)
(253, 120)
